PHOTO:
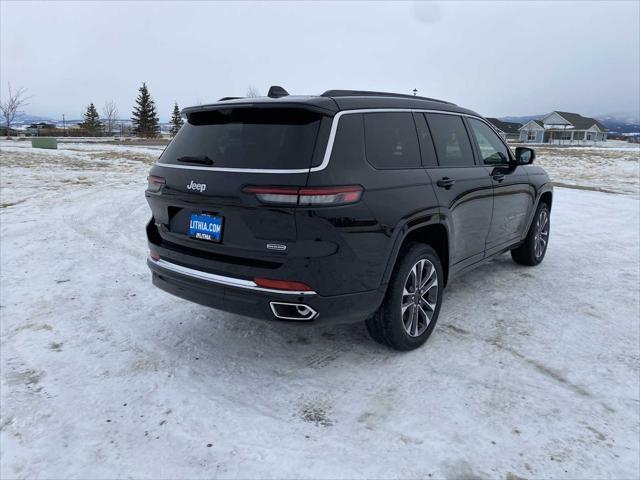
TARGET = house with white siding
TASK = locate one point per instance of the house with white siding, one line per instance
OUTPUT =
(563, 128)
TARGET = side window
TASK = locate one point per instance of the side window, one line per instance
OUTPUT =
(348, 145)
(492, 150)
(427, 149)
(391, 140)
(451, 140)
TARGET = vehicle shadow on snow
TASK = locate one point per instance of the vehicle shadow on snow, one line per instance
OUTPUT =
(217, 337)
(322, 343)
(318, 346)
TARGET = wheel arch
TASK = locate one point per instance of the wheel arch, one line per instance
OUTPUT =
(435, 235)
(547, 197)
(544, 195)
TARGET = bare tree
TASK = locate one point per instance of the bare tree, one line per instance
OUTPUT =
(109, 116)
(12, 104)
(253, 92)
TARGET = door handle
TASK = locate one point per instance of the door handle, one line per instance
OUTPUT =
(498, 177)
(446, 182)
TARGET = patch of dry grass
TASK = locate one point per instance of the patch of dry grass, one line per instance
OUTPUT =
(601, 169)
(82, 160)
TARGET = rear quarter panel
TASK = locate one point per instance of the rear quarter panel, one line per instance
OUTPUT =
(364, 234)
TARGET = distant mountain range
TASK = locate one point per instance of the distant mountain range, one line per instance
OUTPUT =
(24, 120)
(28, 119)
(615, 122)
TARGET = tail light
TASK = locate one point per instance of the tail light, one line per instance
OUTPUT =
(279, 195)
(330, 195)
(282, 284)
(307, 196)
(155, 183)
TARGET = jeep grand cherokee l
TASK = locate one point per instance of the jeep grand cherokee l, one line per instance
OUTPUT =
(344, 207)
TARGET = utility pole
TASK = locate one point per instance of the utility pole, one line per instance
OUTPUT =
(64, 125)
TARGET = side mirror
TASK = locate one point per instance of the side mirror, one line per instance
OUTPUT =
(524, 155)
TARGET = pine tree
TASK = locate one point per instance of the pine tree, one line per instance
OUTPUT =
(176, 120)
(145, 118)
(91, 123)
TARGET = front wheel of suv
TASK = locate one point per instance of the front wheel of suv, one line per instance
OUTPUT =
(411, 306)
(532, 251)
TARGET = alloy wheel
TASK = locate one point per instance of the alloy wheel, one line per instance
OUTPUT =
(419, 297)
(542, 233)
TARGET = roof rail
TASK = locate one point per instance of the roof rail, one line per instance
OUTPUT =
(229, 98)
(365, 93)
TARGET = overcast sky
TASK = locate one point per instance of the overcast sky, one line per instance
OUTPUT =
(498, 58)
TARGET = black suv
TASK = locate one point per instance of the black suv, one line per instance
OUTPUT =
(344, 207)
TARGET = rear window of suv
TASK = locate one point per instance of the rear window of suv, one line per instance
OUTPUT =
(258, 138)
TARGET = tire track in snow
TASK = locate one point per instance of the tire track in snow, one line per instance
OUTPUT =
(118, 222)
(539, 367)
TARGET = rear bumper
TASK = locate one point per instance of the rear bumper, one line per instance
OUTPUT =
(243, 297)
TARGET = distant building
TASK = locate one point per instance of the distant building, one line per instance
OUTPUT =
(37, 128)
(563, 128)
(508, 130)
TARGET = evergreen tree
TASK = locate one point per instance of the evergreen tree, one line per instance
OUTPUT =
(91, 123)
(176, 120)
(145, 118)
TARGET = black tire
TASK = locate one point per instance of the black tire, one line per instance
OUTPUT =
(527, 253)
(388, 325)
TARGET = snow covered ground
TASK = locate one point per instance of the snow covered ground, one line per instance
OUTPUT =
(614, 168)
(531, 372)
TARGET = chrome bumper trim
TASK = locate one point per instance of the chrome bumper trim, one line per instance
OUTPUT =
(222, 280)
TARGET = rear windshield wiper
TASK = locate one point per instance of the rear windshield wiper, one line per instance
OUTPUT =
(204, 160)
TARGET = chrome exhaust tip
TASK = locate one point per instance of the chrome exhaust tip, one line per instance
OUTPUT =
(292, 311)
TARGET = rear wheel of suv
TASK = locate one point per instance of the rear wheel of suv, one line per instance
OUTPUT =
(532, 251)
(411, 306)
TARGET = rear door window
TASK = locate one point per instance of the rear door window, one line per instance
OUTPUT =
(451, 140)
(492, 150)
(391, 140)
(257, 138)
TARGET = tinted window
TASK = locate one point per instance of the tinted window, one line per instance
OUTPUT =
(247, 138)
(451, 140)
(492, 150)
(348, 146)
(391, 140)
